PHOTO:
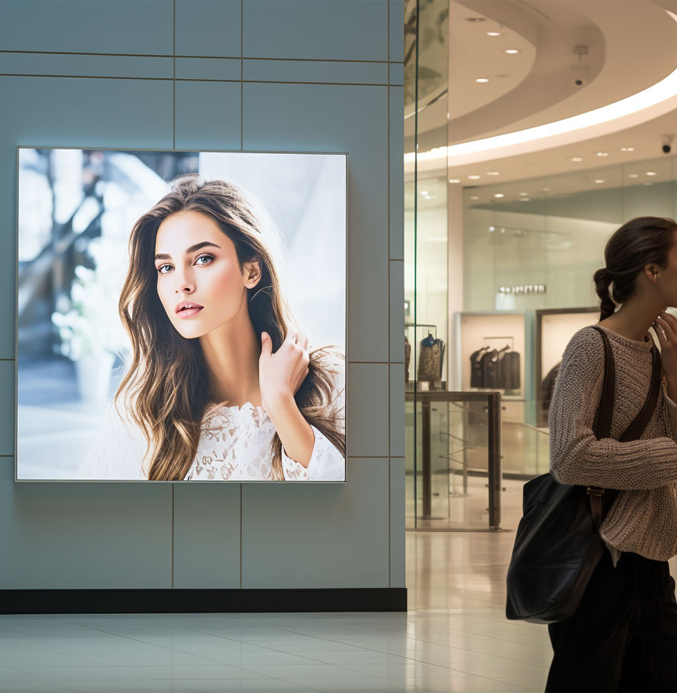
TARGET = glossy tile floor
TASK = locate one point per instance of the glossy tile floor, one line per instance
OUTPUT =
(454, 638)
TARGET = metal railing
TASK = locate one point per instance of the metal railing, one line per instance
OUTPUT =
(423, 466)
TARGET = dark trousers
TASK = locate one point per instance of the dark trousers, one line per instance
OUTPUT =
(623, 636)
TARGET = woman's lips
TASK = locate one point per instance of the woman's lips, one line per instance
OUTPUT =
(187, 309)
(189, 312)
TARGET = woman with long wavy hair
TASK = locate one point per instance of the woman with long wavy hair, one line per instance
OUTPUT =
(222, 384)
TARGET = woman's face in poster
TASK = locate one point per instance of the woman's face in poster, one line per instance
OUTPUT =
(199, 281)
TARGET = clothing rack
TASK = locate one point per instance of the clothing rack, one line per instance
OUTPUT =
(421, 324)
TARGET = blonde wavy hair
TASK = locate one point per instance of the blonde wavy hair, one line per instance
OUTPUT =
(166, 387)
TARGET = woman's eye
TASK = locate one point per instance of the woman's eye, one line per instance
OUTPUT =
(161, 269)
(207, 259)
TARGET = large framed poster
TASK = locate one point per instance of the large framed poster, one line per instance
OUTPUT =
(181, 316)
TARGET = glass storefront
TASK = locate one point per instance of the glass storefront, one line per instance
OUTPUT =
(497, 272)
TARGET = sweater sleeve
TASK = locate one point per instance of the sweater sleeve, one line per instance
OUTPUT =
(576, 456)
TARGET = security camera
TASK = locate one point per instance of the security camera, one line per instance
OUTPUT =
(666, 143)
(580, 75)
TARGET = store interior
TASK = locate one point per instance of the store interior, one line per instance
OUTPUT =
(532, 131)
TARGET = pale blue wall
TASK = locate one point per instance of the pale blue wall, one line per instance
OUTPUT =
(278, 75)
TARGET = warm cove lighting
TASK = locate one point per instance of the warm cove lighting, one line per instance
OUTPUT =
(645, 100)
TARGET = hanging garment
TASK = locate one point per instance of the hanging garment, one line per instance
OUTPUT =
(476, 373)
(501, 373)
(430, 360)
(510, 371)
(490, 370)
(407, 358)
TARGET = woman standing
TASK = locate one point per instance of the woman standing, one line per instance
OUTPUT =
(623, 636)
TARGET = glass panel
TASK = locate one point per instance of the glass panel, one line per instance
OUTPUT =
(426, 220)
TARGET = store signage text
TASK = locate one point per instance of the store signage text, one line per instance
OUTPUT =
(522, 289)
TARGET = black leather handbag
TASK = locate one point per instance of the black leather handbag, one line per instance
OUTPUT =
(557, 544)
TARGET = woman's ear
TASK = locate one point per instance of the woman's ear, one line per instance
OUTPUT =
(652, 273)
(252, 272)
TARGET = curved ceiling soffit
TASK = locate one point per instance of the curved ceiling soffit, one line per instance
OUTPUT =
(541, 76)
(637, 108)
(468, 54)
(550, 78)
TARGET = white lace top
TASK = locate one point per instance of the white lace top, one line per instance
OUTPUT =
(235, 445)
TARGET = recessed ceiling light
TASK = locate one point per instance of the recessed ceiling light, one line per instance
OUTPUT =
(524, 193)
(493, 33)
(651, 173)
(511, 51)
(647, 183)
(545, 189)
(633, 175)
(575, 158)
(600, 180)
(493, 173)
(627, 149)
(602, 153)
(525, 199)
(481, 80)
(474, 197)
(454, 180)
(474, 177)
(502, 229)
(499, 195)
(424, 192)
(492, 228)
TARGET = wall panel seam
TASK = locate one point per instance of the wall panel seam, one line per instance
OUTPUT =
(241, 147)
(240, 536)
(185, 79)
(390, 298)
(173, 131)
(198, 57)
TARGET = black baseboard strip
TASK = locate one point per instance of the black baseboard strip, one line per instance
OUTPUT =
(201, 601)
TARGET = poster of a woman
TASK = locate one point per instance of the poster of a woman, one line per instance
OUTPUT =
(220, 380)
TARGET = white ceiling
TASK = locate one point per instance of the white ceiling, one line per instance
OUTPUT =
(631, 44)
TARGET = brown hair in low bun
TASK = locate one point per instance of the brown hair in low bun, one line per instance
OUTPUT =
(602, 278)
(639, 242)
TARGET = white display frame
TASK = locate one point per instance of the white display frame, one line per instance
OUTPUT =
(176, 151)
(473, 330)
(553, 331)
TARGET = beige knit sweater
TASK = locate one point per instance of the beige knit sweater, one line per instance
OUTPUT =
(643, 518)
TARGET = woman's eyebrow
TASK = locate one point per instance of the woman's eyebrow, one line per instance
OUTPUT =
(192, 249)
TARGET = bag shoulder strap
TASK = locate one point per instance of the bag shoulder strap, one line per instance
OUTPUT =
(636, 428)
(606, 406)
